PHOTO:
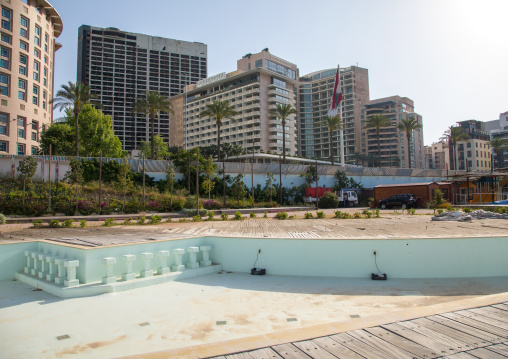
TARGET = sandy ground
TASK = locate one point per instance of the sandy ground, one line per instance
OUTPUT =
(184, 313)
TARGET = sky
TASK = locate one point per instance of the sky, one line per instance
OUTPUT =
(449, 56)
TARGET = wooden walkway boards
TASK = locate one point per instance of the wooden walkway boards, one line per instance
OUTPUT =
(465, 334)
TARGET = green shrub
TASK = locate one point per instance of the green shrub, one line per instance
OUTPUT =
(376, 211)
(141, 219)
(450, 208)
(3, 220)
(224, 216)
(308, 215)
(54, 223)
(132, 206)
(154, 219)
(211, 215)
(68, 223)
(177, 204)
(367, 213)
(265, 215)
(238, 216)
(282, 215)
(82, 223)
(169, 220)
(411, 211)
(108, 222)
(438, 197)
(293, 216)
(127, 221)
(320, 214)
(38, 223)
(189, 212)
(357, 215)
(196, 218)
(252, 215)
(182, 220)
(439, 211)
(191, 202)
(329, 200)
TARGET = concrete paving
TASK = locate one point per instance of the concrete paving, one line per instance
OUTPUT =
(214, 308)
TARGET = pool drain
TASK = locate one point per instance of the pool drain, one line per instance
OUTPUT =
(220, 322)
(292, 319)
(62, 337)
(144, 324)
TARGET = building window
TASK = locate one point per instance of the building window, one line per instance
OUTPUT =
(3, 146)
(4, 120)
(45, 59)
(22, 90)
(34, 136)
(37, 53)
(6, 18)
(34, 151)
(24, 22)
(46, 37)
(4, 84)
(21, 150)
(23, 46)
(5, 55)
(21, 133)
(5, 38)
(23, 33)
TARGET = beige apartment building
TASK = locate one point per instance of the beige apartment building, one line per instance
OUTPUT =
(27, 45)
(315, 94)
(393, 142)
(260, 82)
(437, 156)
(474, 154)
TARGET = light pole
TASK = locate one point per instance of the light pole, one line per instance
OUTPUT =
(185, 75)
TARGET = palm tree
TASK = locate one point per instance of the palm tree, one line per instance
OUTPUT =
(152, 104)
(333, 123)
(408, 125)
(455, 134)
(219, 110)
(74, 96)
(283, 111)
(498, 144)
(377, 122)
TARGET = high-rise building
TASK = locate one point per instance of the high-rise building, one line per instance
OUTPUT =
(27, 57)
(260, 82)
(121, 66)
(499, 129)
(474, 153)
(393, 141)
(437, 156)
(315, 93)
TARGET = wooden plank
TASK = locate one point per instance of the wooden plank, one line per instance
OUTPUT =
(499, 313)
(434, 343)
(463, 355)
(501, 306)
(238, 356)
(265, 353)
(475, 332)
(289, 351)
(381, 345)
(502, 333)
(485, 353)
(313, 350)
(500, 349)
(335, 348)
(486, 312)
(359, 347)
(482, 318)
(453, 343)
(403, 343)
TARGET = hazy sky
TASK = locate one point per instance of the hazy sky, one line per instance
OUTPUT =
(450, 57)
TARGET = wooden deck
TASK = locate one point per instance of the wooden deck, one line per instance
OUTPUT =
(465, 334)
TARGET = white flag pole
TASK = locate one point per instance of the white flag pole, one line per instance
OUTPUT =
(342, 157)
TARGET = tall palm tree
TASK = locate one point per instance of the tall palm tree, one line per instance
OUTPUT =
(408, 125)
(454, 134)
(377, 122)
(333, 123)
(74, 96)
(219, 110)
(152, 104)
(498, 144)
(283, 111)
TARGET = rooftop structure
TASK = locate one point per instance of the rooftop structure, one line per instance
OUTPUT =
(121, 66)
(28, 44)
(474, 154)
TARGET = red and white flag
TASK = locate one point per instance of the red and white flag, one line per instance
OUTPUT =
(333, 109)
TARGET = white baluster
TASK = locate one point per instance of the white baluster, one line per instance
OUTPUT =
(147, 271)
(51, 268)
(192, 257)
(35, 268)
(28, 255)
(62, 271)
(129, 259)
(109, 262)
(206, 256)
(71, 273)
(163, 257)
(178, 253)
(42, 270)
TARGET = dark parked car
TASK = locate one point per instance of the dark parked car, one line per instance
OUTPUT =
(405, 200)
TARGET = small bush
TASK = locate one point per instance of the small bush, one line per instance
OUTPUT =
(320, 214)
(54, 223)
(265, 215)
(154, 219)
(82, 223)
(439, 211)
(68, 223)
(292, 216)
(224, 216)
(168, 220)
(211, 215)
(308, 215)
(329, 200)
(367, 213)
(189, 212)
(127, 221)
(3, 220)
(108, 222)
(238, 216)
(196, 218)
(376, 212)
(252, 215)
(141, 219)
(282, 215)
(411, 211)
(450, 208)
(182, 220)
(357, 215)
(38, 223)
(438, 197)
